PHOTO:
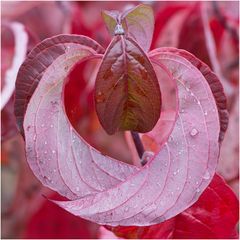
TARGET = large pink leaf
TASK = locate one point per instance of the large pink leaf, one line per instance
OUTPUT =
(177, 175)
(39, 59)
(55, 153)
(127, 94)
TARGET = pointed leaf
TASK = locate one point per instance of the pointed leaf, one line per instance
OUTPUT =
(127, 93)
(137, 22)
(139, 25)
(110, 18)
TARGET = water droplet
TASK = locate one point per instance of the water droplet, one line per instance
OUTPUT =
(45, 142)
(170, 139)
(126, 209)
(190, 177)
(51, 126)
(192, 94)
(198, 102)
(165, 164)
(34, 137)
(194, 132)
(172, 193)
(182, 110)
(77, 189)
(205, 113)
(99, 93)
(42, 125)
(68, 47)
(187, 89)
(174, 173)
(45, 152)
(53, 151)
(54, 170)
(118, 30)
(206, 175)
(73, 140)
(197, 182)
(198, 190)
(178, 188)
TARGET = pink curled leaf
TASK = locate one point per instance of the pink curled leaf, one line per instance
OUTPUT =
(38, 60)
(127, 94)
(177, 175)
(55, 152)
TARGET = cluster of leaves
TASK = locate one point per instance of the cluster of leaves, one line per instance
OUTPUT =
(110, 191)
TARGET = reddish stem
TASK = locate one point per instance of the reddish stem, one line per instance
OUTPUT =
(138, 143)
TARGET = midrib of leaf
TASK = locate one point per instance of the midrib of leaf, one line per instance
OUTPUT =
(127, 113)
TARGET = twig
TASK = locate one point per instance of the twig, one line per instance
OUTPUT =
(138, 143)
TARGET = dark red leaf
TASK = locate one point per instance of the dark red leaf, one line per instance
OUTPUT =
(127, 94)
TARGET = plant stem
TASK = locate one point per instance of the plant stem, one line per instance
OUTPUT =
(138, 143)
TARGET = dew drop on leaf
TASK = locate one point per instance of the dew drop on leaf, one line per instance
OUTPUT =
(194, 132)
(206, 175)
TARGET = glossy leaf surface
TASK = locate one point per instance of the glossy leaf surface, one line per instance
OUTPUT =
(127, 94)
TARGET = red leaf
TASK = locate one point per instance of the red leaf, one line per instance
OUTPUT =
(214, 215)
(53, 222)
(127, 94)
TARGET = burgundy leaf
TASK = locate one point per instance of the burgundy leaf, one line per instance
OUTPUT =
(127, 94)
(176, 176)
(39, 59)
